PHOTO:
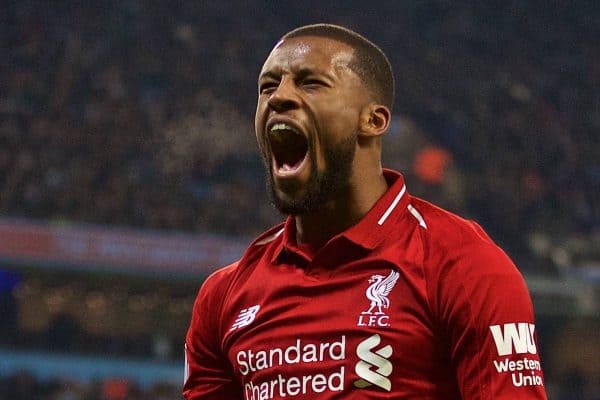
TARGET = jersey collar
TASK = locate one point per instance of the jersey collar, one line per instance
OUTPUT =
(373, 227)
(371, 230)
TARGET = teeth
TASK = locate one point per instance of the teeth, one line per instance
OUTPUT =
(282, 127)
(285, 167)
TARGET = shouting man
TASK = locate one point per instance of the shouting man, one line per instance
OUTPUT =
(364, 292)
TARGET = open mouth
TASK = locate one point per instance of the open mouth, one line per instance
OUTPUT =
(289, 148)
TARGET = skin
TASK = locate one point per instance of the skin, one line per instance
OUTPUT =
(307, 81)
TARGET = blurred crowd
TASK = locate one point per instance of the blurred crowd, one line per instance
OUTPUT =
(110, 316)
(23, 385)
(140, 113)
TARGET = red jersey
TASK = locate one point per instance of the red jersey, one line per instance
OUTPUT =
(413, 302)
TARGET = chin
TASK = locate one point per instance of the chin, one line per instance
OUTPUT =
(306, 200)
(287, 204)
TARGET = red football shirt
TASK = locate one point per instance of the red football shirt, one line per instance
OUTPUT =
(412, 302)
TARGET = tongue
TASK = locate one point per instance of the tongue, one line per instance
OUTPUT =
(286, 167)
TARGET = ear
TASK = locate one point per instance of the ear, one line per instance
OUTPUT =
(374, 120)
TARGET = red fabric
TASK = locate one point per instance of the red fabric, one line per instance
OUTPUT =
(420, 304)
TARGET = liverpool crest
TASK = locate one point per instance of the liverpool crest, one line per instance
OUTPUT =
(377, 294)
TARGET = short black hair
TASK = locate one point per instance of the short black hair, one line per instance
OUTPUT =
(370, 62)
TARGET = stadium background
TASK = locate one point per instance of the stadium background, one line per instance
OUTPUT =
(128, 169)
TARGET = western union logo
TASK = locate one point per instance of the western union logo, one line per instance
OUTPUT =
(517, 336)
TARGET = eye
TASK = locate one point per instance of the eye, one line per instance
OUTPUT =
(313, 83)
(267, 87)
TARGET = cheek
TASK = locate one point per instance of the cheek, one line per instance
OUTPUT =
(342, 121)
(259, 121)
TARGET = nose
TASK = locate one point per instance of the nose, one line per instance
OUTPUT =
(284, 97)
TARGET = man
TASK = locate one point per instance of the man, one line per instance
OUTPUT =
(365, 292)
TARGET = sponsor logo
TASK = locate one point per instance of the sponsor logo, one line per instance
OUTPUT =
(374, 366)
(377, 293)
(280, 384)
(517, 338)
(245, 317)
(511, 336)
(523, 372)
(284, 386)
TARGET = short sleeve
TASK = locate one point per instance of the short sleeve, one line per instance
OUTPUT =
(487, 317)
(208, 374)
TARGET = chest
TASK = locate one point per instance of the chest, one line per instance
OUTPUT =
(365, 326)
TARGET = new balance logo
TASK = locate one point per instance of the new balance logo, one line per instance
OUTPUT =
(374, 367)
(245, 317)
(514, 335)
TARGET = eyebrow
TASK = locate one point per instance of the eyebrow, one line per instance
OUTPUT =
(269, 74)
(301, 73)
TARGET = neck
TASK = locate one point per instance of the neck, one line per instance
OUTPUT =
(342, 212)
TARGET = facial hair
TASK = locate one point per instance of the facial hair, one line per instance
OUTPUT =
(323, 185)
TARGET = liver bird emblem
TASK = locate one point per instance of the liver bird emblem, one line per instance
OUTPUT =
(380, 288)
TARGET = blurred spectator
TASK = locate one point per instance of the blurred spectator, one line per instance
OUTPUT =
(24, 386)
(137, 113)
(9, 280)
(115, 389)
(430, 164)
(116, 115)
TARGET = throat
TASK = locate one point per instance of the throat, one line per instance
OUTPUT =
(340, 213)
(315, 230)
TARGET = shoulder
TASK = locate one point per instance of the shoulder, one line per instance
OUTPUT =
(223, 277)
(219, 278)
(463, 265)
(447, 229)
(451, 239)
(461, 261)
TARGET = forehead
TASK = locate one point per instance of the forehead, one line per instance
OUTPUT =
(309, 52)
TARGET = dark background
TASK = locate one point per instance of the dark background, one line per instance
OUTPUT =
(139, 115)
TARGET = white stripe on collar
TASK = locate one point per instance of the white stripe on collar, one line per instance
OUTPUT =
(269, 238)
(387, 212)
(417, 215)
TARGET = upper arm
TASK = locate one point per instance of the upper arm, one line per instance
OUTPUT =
(486, 312)
(208, 374)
